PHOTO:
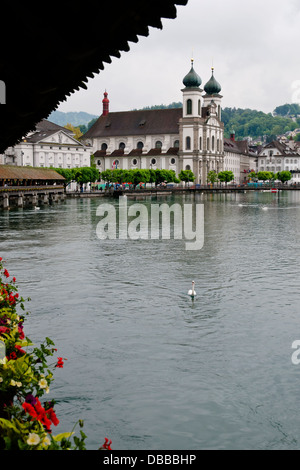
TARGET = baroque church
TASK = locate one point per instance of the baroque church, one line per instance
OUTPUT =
(187, 138)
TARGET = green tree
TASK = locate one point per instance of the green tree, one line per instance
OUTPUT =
(284, 176)
(212, 177)
(226, 177)
(107, 176)
(67, 173)
(187, 176)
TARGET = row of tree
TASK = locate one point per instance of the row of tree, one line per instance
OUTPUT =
(282, 176)
(222, 177)
(138, 176)
(80, 175)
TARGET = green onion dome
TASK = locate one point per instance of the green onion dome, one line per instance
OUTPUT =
(212, 87)
(192, 79)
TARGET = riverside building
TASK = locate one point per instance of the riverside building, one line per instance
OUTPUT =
(187, 138)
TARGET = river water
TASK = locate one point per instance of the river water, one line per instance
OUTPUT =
(147, 366)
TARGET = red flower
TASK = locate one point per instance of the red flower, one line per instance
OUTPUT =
(60, 362)
(46, 417)
(12, 356)
(14, 279)
(6, 273)
(3, 329)
(20, 349)
(106, 444)
(29, 409)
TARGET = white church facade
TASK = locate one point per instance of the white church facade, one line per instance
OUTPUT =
(191, 137)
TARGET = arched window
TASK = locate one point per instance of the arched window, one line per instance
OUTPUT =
(158, 144)
(176, 144)
(189, 107)
(187, 167)
(199, 107)
(218, 145)
(200, 143)
(140, 145)
(213, 143)
(207, 143)
(104, 147)
(121, 146)
(188, 143)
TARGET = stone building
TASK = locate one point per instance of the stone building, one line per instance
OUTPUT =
(191, 137)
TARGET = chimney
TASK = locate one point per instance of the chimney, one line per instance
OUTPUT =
(105, 103)
(232, 136)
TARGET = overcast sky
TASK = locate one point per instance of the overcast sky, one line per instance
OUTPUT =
(252, 44)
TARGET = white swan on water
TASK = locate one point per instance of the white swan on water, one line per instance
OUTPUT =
(192, 292)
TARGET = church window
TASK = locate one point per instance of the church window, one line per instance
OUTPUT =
(213, 143)
(121, 146)
(158, 144)
(99, 162)
(134, 161)
(176, 144)
(207, 143)
(187, 167)
(140, 145)
(200, 143)
(199, 107)
(188, 143)
(189, 107)
(153, 161)
(104, 147)
(173, 161)
(218, 145)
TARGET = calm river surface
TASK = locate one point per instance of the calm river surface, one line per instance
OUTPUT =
(148, 367)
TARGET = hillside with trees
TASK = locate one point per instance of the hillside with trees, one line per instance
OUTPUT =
(244, 122)
(256, 124)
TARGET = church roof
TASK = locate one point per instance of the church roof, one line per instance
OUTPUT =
(40, 67)
(143, 122)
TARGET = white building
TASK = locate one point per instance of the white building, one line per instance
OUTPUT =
(49, 145)
(191, 137)
(277, 156)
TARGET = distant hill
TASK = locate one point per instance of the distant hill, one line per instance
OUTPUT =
(74, 118)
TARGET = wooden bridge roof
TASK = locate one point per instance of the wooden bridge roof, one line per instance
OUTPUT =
(8, 172)
(49, 52)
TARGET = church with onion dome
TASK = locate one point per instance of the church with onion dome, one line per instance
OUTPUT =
(187, 138)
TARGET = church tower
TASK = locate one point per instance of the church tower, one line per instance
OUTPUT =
(105, 104)
(212, 90)
(190, 124)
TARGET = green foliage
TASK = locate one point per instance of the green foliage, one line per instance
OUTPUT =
(284, 176)
(186, 176)
(256, 124)
(138, 176)
(81, 175)
(212, 177)
(226, 176)
(287, 110)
